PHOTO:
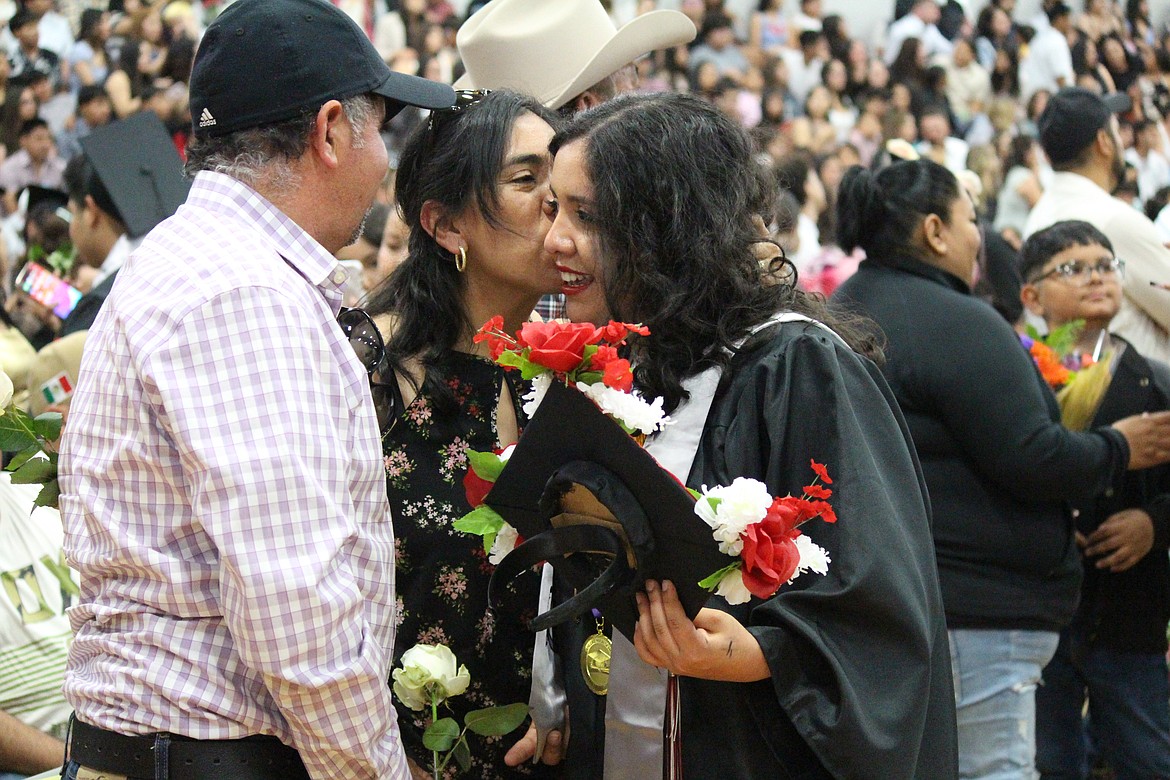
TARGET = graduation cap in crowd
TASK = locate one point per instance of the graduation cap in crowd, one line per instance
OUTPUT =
(139, 166)
(49, 198)
(588, 499)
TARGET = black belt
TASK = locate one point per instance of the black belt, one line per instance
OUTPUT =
(250, 758)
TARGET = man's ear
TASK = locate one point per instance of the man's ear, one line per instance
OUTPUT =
(585, 101)
(90, 212)
(330, 134)
(1030, 297)
(441, 227)
(934, 234)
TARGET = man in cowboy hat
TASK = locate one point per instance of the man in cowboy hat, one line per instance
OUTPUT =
(567, 54)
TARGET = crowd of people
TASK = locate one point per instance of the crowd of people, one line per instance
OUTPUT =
(847, 246)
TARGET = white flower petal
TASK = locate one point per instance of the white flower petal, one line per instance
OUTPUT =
(628, 408)
(532, 399)
(505, 542)
(813, 557)
(732, 589)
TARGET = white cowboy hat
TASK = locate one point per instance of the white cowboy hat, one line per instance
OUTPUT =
(556, 49)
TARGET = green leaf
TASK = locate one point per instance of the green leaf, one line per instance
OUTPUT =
(486, 465)
(694, 493)
(22, 457)
(589, 377)
(16, 432)
(441, 734)
(48, 425)
(1032, 333)
(712, 582)
(488, 541)
(463, 755)
(49, 495)
(36, 471)
(496, 721)
(714, 502)
(480, 521)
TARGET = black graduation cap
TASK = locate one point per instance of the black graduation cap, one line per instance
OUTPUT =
(139, 166)
(575, 476)
(37, 195)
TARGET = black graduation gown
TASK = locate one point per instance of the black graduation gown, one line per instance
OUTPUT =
(861, 678)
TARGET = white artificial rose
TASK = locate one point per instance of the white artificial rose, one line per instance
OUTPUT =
(532, 399)
(5, 391)
(744, 502)
(635, 412)
(732, 589)
(426, 669)
(813, 557)
(505, 542)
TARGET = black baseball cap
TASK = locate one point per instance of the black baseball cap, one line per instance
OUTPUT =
(1072, 118)
(265, 61)
(140, 169)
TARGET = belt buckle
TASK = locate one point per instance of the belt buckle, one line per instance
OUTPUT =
(85, 773)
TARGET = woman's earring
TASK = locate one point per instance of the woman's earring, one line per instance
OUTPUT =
(461, 260)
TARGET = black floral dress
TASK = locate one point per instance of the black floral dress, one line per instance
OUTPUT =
(442, 574)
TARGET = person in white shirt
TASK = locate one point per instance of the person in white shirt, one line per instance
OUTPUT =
(937, 142)
(968, 83)
(1153, 169)
(1079, 133)
(920, 23)
(806, 64)
(1048, 64)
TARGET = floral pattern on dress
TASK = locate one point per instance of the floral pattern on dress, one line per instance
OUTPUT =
(442, 582)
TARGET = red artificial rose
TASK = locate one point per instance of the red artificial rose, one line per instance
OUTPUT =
(602, 357)
(816, 491)
(615, 332)
(821, 471)
(789, 512)
(476, 488)
(557, 345)
(770, 555)
(493, 333)
(489, 329)
(618, 376)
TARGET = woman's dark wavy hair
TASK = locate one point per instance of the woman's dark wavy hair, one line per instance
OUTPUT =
(675, 189)
(879, 212)
(454, 160)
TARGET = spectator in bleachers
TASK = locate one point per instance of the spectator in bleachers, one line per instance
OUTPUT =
(814, 131)
(1153, 168)
(1090, 72)
(1099, 19)
(89, 63)
(806, 63)
(36, 163)
(934, 128)
(1020, 191)
(93, 111)
(968, 85)
(994, 34)
(1123, 66)
(718, 46)
(921, 23)
(1048, 64)
(29, 56)
(770, 33)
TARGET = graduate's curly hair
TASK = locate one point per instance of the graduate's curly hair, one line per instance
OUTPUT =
(675, 189)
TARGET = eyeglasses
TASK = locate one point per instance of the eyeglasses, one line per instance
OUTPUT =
(1080, 272)
(367, 343)
(464, 98)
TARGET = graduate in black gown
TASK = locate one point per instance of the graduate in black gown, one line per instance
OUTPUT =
(846, 675)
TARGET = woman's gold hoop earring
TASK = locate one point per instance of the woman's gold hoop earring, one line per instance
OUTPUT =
(461, 260)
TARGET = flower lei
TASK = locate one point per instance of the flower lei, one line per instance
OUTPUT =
(1053, 354)
(762, 533)
(580, 356)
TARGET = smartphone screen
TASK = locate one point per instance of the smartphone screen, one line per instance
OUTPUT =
(48, 289)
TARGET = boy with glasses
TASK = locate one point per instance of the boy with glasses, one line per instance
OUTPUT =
(1114, 652)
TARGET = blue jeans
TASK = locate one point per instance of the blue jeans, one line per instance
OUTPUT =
(1129, 712)
(995, 677)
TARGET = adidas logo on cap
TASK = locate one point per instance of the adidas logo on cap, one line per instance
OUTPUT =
(206, 119)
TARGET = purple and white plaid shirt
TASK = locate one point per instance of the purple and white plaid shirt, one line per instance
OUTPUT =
(224, 498)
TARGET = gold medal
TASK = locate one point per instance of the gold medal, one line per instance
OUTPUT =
(595, 660)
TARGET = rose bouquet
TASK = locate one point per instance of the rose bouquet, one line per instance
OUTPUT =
(763, 533)
(34, 441)
(579, 355)
(429, 676)
(1079, 379)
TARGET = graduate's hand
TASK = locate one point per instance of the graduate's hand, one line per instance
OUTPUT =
(715, 646)
(525, 749)
(1148, 435)
(1122, 540)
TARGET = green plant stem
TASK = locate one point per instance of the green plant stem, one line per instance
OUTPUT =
(435, 719)
(451, 752)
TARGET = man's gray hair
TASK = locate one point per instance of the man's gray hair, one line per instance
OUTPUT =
(262, 155)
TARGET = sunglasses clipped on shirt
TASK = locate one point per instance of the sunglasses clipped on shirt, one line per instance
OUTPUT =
(366, 341)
